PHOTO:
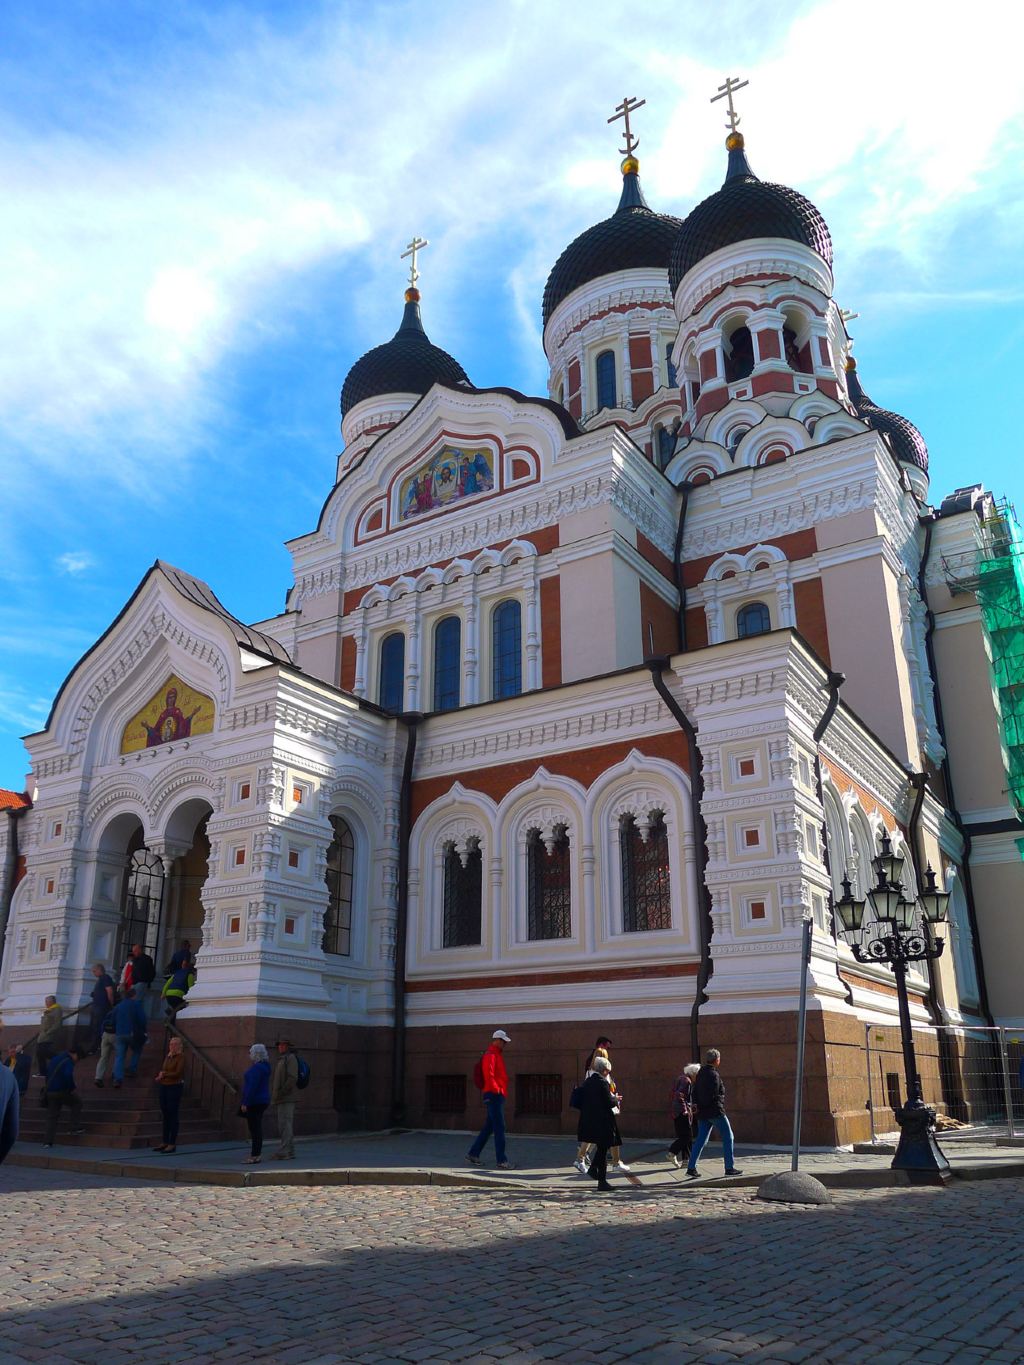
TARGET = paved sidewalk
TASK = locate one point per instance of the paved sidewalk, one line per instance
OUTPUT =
(543, 1163)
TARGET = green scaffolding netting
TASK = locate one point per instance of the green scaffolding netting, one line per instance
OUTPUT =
(1000, 594)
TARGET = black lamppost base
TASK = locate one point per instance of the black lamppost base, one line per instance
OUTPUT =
(918, 1155)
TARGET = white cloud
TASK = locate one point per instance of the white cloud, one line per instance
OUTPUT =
(75, 562)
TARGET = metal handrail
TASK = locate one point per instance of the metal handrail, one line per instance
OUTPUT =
(204, 1093)
(63, 1020)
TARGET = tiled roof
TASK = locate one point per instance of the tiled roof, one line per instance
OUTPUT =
(13, 800)
(907, 442)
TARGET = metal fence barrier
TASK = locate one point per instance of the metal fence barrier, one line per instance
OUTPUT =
(972, 1075)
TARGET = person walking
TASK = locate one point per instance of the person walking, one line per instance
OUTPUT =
(284, 1090)
(10, 1110)
(494, 1084)
(709, 1100)
(61, 1093)
(583, 1152)
(130, 1032)
(101, 1001)
(143, 970)
(48, 1039)
(255, 1099)
(108, 1048)
(682, 1114)
(597, 1123)
(176, 987)
(171, 1081)
(182, 958)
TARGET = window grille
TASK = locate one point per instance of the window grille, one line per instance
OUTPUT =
(538, 1094)
(753, 619)
(340, 862)
(446, 1094)
(506, 650)
(549, 887)
(447, 663)
(391, 693)
(604, 369)
(141, 904)
(646, 897)
(462, 896)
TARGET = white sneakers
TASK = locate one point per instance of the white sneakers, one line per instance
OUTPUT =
(619, 1166)
(582, 1165)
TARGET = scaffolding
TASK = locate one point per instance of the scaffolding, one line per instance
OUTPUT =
(994, 573)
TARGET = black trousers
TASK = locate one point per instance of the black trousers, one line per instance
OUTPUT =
(254, 1118)
(55, 1102)
(170, 1104)
(599, 1165)
(684, 1136)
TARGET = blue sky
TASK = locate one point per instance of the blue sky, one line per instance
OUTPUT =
(204, 207)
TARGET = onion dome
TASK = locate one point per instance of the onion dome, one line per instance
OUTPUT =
(634, 237)
(408, 363)
(743, 208)
(907, 442)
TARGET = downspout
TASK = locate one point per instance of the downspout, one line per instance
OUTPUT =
(677, 564)
(10, 873)
(834, 682)
(658, 668)
(947, 779)
(411, 720)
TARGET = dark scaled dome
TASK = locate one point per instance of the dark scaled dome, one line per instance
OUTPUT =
(907, 442)
(408, 363)
(634, 237)
(743, 208)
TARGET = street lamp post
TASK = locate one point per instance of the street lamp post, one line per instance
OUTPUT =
(897, 939)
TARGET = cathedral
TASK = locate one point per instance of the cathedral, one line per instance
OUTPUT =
(579, 707)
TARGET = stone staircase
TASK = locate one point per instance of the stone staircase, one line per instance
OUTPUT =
(125, 1118)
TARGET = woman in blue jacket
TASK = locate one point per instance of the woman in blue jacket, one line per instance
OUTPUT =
(255, 1098)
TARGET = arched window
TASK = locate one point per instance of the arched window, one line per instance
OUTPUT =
(142, 902)
(646, 903)
(604, 369)
(753, 619)
(666, 446)
(797, 358)
(670, 368)
(338, 876)
(548, 886)
(447, 663)
(463, 885)
(506, 650)
(739, 360)
(391, 692)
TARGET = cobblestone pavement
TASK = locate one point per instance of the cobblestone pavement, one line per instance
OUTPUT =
(115, 1271)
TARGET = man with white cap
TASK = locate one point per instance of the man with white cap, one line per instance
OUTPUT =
(492, 1078)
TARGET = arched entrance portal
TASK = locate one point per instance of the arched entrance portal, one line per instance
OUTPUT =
(183, 917)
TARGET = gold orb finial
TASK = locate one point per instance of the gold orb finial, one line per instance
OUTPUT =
(631, 166)
(412, 295)
(851, 362)
(734, 142)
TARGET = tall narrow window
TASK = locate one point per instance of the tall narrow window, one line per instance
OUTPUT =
(463, 885)
(548, 887)
(671, 369)
(142, 896)
(340, 861)
(666, 446)
(753, 619)
(447, 663)
(646, 903)
(604, 368)
(391, 692)
(506, 650)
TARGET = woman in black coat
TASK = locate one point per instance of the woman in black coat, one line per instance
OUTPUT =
(597, 1122)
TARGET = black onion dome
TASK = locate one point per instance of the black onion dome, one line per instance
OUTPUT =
(634, 237)
(408, 363)
(743, 208)
(907, 442)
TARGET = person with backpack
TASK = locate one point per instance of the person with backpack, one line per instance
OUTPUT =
(709, 1100)
(284, 1090)
(61, 1092)
(682, 1114)
(491, 1078)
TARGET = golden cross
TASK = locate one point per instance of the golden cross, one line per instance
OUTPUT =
(628, 106)
(417, 244)
(725, 92)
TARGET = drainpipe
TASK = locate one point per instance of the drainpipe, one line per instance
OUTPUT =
(10, 873)
(677, 564)
(411, 720)
(658, 668)
(834, 682)
(947, 779)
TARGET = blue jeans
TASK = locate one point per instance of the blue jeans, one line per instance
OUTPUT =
(704, 1127)
(124, 1042)
(494, 1123)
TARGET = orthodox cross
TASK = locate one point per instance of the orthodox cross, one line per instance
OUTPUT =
(725, 92)
(628, 106)
(847, 315)
(417, 244)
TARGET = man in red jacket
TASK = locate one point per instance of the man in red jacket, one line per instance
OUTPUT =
(495, 1088)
